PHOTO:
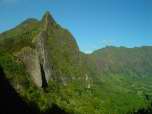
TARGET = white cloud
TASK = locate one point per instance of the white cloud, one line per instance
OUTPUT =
(107, 43)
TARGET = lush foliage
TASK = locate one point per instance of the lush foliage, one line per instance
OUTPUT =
(109, 81)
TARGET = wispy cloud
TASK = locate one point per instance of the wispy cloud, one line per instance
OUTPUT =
(107, 42)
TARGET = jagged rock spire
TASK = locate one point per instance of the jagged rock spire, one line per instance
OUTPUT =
(47, 20)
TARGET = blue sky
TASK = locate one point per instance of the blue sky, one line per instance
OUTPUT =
(93, 23)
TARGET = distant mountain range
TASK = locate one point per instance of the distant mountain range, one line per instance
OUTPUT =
(44, 66)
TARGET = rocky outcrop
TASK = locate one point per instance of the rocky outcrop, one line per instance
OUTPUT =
(37, 61)
(41, 48)
(31, 60)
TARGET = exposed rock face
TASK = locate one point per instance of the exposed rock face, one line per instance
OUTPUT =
(31, 60)
(41, 48)
(36, 60)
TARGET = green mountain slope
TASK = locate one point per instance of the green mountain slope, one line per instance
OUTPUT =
(43, 63)
(122, 77)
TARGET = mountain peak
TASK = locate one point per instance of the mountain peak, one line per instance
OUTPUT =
(47, 20)
(47, 15)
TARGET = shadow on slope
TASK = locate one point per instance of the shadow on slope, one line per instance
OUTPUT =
(12, 103)
(144, 111)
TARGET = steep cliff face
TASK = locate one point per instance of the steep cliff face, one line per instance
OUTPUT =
(41, 48)
(30, 58)
(36, 60)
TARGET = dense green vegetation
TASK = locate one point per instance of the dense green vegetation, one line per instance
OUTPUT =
(111, 80)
